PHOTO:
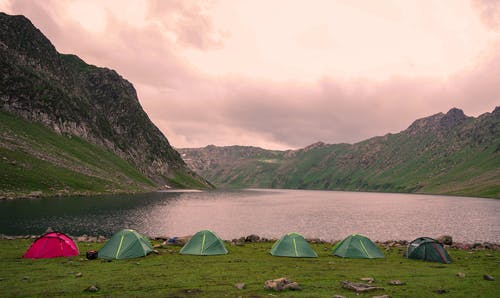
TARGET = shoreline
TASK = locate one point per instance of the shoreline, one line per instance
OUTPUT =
(388, 244)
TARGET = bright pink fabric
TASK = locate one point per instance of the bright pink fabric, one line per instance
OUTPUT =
(52, 245)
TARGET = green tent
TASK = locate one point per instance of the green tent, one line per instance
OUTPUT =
(204, 243)
(427, 249)
(125, 244)
(357, 246)
(293, 245)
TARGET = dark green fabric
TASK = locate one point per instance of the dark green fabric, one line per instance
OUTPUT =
(427, 249)
(293, 245)
(204, 243)
(125, 244)
(357, 246)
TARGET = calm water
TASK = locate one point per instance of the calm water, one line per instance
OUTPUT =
(328, 215)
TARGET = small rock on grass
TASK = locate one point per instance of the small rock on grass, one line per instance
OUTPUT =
(397, 282)
(383, 296)
(368, 279)
(26, 278)
(441, 291)
(79, 274)
(91, 288)
(488, 277)
(460, 274)
(338, 296)
(239, 285)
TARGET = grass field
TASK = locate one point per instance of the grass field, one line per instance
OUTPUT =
(172, 275)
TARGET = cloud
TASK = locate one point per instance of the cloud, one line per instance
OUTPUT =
(148, 42)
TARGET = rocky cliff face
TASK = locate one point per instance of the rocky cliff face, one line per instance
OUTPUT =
(446, 153)
(72, 97)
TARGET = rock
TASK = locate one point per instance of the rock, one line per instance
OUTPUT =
(49, 230)
(445, 239)
(396, 282)
(294, 286)
(79, 274)
(368, 279)
(460, 274)
(358, 287)
(35, 194)
(441, 291)
(383, 296)
(155, 251)
(338, 296)
(281, 284)
(91, 288)
(239, 286)
(26, 278)
(488, 277)
(252, 238)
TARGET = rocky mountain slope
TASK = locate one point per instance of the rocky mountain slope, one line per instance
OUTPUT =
(73, 98)
(442, 154)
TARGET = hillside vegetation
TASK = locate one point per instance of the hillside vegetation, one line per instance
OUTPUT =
(441, 154)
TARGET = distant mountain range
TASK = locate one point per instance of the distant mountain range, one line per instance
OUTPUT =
(70, 127)
(441, 154)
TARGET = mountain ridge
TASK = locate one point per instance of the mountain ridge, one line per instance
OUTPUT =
(445, 153)
(71, 97)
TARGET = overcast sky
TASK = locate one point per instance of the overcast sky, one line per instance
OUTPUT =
(285, 74)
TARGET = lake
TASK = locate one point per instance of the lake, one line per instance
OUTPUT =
(329, 215)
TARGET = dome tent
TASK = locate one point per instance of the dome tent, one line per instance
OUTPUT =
(52, 245)
(293, 245)
(204, 243)
(427, 249)
(357, 246)
(125, 244)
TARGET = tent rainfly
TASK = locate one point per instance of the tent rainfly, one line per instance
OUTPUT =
(293, 245)
(357, 246)
(204, 243)
(52, 245)
(125, 244)
(427, 249)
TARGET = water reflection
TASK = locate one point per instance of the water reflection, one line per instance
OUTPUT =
(270, 213)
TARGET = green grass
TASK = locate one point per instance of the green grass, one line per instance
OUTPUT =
(33, 158)
(172, 275)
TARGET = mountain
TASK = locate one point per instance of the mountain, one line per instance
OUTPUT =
(76, 101)
(440, 154)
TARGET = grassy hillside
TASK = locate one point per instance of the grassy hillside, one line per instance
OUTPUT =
(33, 159)
(172, 275)
(441, 154)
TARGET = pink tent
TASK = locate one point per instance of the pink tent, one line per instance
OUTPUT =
(52, 245)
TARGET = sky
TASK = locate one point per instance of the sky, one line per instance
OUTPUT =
(283, 74)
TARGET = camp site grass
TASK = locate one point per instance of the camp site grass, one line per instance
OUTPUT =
(170, 274)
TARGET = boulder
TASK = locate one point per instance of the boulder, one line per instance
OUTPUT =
(445, 239)
(281, 284)
(358, 287)
(252, 238)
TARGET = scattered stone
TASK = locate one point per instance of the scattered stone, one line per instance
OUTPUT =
(192, 291)
(358, 287)
(338, 296)
(252, 238)
(79, 274)
(488, 277)
(383, 296)
(441, 291)
(26, 278)
(460, 274)
(239, 286)
(367, 279)
(35, 194)
(91, 288)
(281, 284)
(445, 239)
(396, 282)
